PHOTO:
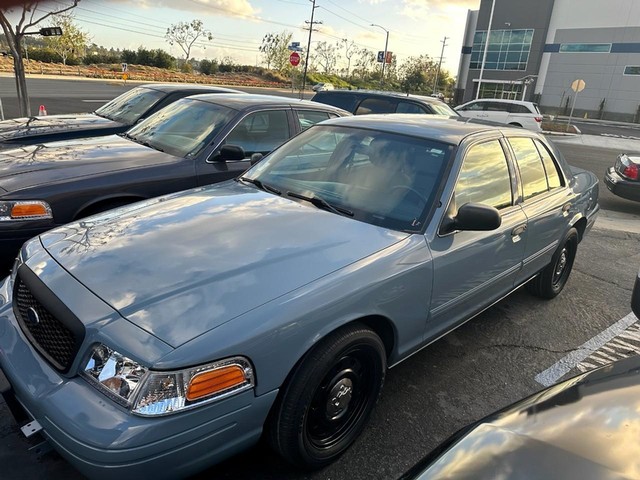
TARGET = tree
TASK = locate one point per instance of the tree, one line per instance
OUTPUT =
(325, 54)
(350, 49)
(72, 42)
(185, 35)
(418, 74)
(365, 61)
(14, 37)
(275, 51)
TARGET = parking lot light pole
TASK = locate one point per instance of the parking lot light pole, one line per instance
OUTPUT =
(384, 56)
(486, 47)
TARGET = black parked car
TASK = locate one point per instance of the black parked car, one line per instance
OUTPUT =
(623, 179)
(116, 116)
(195, 141)
(362, 102)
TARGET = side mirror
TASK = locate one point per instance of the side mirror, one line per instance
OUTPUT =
(476, 216)
(229, 153)
(256, 157)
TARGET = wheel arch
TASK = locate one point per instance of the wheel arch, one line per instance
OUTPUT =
(104, 203)
(581, 226)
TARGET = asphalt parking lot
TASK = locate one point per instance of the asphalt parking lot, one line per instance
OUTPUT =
(506, 353)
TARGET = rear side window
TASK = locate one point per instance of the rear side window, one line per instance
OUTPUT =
(406, 107)
(377, 105)
(309, 117)
(517, 108)
(345, 101)
(484, 177)
(497, 107)
(534, 179)
(553, 175)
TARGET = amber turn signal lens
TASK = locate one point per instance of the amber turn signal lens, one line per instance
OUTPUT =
(215, 381)
(26, 210)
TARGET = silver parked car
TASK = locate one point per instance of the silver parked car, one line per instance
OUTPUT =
(162, 337)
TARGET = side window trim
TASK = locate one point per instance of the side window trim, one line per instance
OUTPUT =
(538, 144)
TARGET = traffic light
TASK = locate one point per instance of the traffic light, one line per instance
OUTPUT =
(51, 31)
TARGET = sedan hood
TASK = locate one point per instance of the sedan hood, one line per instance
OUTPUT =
(58, 161)
(17, 128)
(184, 264)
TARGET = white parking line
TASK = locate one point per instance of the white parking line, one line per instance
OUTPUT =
(563, 366)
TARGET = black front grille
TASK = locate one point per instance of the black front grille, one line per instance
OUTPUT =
(48, 334)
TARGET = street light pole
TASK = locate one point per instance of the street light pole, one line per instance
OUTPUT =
(384, 56)
(486, 47)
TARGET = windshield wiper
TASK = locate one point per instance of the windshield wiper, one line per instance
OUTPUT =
(141, 142)
(260, 185)
(320, 202)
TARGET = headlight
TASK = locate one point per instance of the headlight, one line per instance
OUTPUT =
(152, 393)
(24, 210)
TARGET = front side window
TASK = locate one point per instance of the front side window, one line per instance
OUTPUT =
(534, 179)
(183, 128)
(130, 106)
(475, 107)
(484, 177)
(260, 131)
(377, 177)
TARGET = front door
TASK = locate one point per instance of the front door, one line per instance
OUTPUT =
(473, 269)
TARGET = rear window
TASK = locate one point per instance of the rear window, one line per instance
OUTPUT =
(346, 101)
(377, 105)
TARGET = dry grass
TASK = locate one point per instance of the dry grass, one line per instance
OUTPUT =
(557, 126)
(139, 72)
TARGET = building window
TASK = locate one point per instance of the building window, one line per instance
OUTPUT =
(505, 91)
(508, 49)
(585, 47)
(632, 70)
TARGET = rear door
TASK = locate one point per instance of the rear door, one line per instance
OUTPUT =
(496, 111)
(474, 269)
(546, 201)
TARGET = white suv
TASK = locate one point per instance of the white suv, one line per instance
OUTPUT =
(513, 112)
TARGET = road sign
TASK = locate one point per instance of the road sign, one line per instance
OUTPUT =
(125, 67)
(295, 47)
(578, 85)
(51, 31)
(388, 58)
(294, 59)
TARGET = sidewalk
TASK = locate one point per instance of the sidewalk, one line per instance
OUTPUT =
(597, 121)
(625, 145)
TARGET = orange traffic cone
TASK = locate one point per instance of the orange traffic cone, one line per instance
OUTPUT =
(42, 111)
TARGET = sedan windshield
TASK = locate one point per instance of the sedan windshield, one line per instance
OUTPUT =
(130, 106)
(377, 177)
(182, 128)
(443, 109)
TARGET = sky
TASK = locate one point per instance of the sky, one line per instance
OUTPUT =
(415, 27)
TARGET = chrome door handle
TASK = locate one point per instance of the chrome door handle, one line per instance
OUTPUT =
(519, 230)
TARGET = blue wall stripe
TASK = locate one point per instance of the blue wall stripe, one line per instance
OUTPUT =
(625, 48)
(615, 47)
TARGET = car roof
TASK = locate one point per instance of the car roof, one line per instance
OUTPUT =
(178, 87)
(502, 100)
(381, 93)
(451, 130)
(247, 100)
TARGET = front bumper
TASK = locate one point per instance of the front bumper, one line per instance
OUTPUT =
(620, 186)
(102, 439)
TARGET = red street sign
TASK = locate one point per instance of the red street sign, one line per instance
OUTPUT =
(294, 59)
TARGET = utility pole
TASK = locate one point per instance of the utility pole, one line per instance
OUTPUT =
(306, 62)
(435, 83)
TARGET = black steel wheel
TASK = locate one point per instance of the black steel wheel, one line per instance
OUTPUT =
(550, 281)
(329, 397)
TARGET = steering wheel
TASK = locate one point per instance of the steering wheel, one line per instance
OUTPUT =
(411, 190)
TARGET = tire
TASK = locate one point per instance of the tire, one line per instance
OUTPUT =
(550, 281)
(347, 368)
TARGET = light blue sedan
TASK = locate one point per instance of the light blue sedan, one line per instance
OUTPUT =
(160, 338)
